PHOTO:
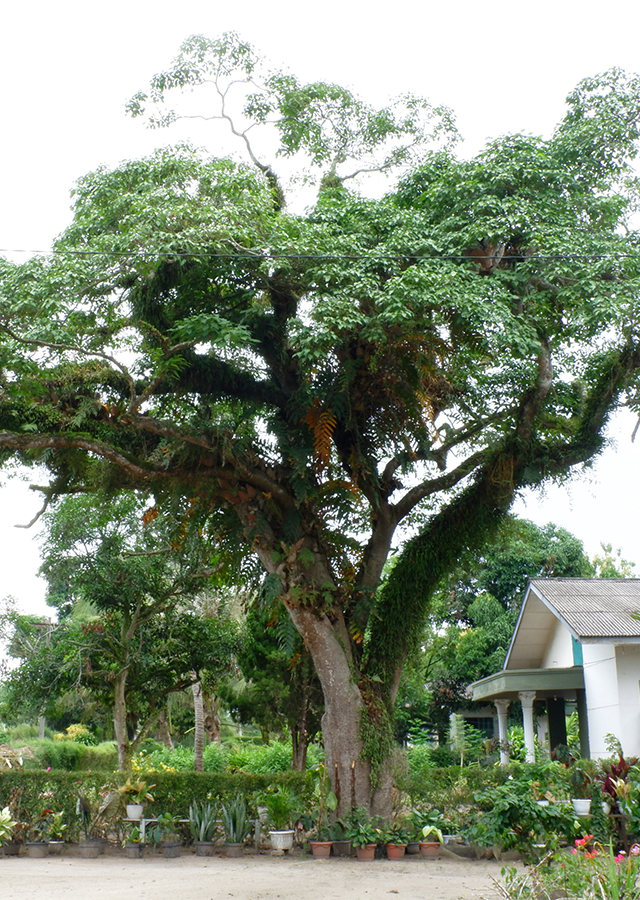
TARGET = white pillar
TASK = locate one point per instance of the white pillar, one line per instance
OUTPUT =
(502, 706)
(527, 698)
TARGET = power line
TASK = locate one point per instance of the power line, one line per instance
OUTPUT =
(268, 256)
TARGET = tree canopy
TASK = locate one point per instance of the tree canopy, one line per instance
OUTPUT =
(301, 384)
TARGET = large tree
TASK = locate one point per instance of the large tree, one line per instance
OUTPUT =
(310, 382)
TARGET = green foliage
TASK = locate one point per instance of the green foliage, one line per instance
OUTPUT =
(235, 820)
(203, 821)
(592, 872)
(296, 386)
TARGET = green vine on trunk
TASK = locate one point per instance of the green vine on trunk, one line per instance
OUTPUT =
(376, 732)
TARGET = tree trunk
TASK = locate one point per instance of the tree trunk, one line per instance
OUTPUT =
(299, 737)
(164, 733)
(212, 717)
(342, 720)
(198, 733)
(120, 719)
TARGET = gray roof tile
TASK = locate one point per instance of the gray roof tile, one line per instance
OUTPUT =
(594, 607)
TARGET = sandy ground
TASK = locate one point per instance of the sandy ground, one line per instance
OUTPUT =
(263, 877)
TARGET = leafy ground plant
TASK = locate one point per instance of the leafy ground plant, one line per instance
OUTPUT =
(588, 871)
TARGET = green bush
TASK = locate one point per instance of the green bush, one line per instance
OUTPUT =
(71, 756)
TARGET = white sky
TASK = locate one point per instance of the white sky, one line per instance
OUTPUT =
(67, 68)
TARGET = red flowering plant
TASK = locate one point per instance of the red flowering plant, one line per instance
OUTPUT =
(588, 871)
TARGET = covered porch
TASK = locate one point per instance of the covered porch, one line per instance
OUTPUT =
(554, 685)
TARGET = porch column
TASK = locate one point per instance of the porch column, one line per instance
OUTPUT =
(527, 698)
(502, 706)
(557, 722)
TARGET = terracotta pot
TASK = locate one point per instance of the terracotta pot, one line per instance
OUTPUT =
(396, 851)
(321, 849)
(430, 849)
(366, 853)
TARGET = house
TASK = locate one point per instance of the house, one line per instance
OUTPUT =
(576, 639)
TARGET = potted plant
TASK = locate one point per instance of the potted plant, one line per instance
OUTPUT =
(325, 801)
(281, 806)
(7, 824)
(166, 833)
(38, 836)
(362, 832)
(431, 842)
(396, 838)
(132, 843)
(236, 824)
(580, 780)
(57, 830)
(341, 844)
(135, 794)
(203, 822)
(93, 812)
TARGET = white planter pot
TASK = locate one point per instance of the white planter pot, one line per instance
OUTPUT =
(581, 807)
(281, 840)
(134, 810)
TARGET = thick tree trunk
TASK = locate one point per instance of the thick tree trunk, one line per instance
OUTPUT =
(344, 708)
(198, 734)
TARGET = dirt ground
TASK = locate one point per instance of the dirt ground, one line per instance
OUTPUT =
(263, 877)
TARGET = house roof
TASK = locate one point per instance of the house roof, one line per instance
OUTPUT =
(593, 610)
(593, 607)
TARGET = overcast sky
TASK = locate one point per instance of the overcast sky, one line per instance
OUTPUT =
(67, 69)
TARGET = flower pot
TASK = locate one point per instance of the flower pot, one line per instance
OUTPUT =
(11, 848)
(396, 851)
(134, 850)
(581, 807)
(232, 849)
(56, 848)
(37, 849)
(134, 811)
(430, 849)
(89, 849)
(366, 853)
(281, 840)
(170, 849)
(204, 848)
(342, 848)
(320, 849)
(413, 847)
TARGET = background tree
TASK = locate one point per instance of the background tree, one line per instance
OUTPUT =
(475, 609)
(309, 382)
(280, 693)
(125, 585)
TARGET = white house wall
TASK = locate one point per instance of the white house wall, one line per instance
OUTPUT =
(558, 653)
(603, 702)
(628, 670)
